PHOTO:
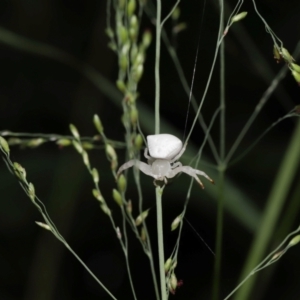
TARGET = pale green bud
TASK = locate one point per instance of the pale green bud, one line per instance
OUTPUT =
(110, 151)
(20, 171)
(123, 34)
(35, 142)
(98, 124)
(168, 264)
(131, 7)
(239, 17)
(139, 220)
(123, 62)
(63, 142)
(176, 222)
(31, 191)
(109, 32)
(74, 131)
(295, 67)
(138, 142)
(122, 183)
(176, 14)
(129, 207)
(134, 115)
(4, 145)
(133, 52)
(137, 73)
(295, 240)
(105, 209)
(95, 175)
(43, 225)
(173, 282)
(286, 55)
(98, 195)
(117, 197)
(121, 85)
(147, 38)
(86, 160)
(143, 234)
(296, 75)
(77, 146)
(276, 53)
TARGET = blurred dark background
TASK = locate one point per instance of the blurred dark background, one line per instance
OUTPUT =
(43, 95)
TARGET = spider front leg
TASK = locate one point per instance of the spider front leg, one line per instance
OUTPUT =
(146, 169)
(192, 172)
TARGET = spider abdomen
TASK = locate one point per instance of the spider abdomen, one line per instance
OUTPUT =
(163, 146)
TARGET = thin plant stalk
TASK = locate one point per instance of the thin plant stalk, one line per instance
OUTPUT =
(157, 61)
(160, 237)
(222, 167)
(157, 130)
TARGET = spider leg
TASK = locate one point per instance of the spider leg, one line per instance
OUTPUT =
(146, 154)
(145, 168)
(192, 172)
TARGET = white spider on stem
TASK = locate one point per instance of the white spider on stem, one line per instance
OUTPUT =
(164, 150)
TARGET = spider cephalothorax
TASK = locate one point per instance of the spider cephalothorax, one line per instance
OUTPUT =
(164, 151)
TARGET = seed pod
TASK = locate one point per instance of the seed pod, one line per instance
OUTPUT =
(20, 171)
(117, 197)
(138, 142)
(98, 124)
(105, 209)
(86, 160)
(147, 38)
(131, 7)
(134, 115)
(31, 191)
(139, 220)
(296, 75)
(295, 240)
(74, 131)
(239, 17)
(95, 175)
(123, 62)
(110, 151)
(129, 207)
(173, 282)
(143, 234)
(77, 146)
(109, 32)
(122, 183)
(276, 54)
(286, 55)
(295, 67)
(123, 34)
(35, 142)
(63, 142)
(43, 225)
(98, 196)
(121, 85)
(137, 73)
(176, 222)
(176, 14)
(168, 264)
(4, 145)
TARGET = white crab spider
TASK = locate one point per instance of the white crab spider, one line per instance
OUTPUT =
(164, 150)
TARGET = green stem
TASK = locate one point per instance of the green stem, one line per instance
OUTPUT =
(222, 166)
(219, 234)
(275, 202)
(160, 236)
(157, 59)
